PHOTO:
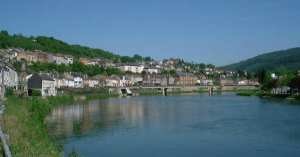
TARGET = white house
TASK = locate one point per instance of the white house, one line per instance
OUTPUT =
(78, 82)
(64, 83)
(151, 70)
(125, 82)
(62, 59)
(205, 82)
(248, 83)
(243, 82)
(91, 83)
(8, 76)
(132, 68)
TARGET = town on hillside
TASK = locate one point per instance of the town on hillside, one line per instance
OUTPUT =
(22, 71)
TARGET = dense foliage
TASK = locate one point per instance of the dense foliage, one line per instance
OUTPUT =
(289, 59)
(50, 44)
(284, 77)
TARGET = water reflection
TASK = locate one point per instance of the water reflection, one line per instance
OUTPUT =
(82, 118)
(175, 125)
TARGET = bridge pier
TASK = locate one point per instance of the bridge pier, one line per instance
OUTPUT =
(165, 91)
(210, 91)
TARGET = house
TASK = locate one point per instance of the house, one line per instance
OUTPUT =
(125, 82)
(243, 82)
(91, 83)
(64, 83)
(61, 59)
(152, 80)
(87, 61)
(105, 62)
(101, 79)
(42, 83)
(9, 54)
(135, 79)
(227, 82)
(42, 57)
(248, 83)
(78, 82)
(133, 68)
(151, 70)
(185, 79)
(27, 56)
(283, 90)
(8, 78)
(172, 61)
(33, 56)
(167, 81)
(113, 81)
(204, 81)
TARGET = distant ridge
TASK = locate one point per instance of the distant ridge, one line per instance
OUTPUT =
(289, 59)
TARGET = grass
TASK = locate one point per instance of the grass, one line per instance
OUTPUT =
(2, 154)
(247, 92)
(23, 121)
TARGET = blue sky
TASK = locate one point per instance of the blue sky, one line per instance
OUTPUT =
(210, 31)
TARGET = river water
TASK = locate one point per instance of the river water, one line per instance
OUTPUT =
(179, 126)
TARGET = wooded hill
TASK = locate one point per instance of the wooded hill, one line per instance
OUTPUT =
(50, 44)
(289, 59)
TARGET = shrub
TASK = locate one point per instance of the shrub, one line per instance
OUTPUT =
(9, 92)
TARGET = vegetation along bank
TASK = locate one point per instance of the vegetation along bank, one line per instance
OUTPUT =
(23, 121)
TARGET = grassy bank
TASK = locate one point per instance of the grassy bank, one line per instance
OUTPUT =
(264, 94)
(24, 118)
(23, 121)
(248, 92)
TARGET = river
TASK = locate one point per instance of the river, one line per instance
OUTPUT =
(179, 126)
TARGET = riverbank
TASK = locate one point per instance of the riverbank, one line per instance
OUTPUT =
(23, 121)
(24, 118)
(264, 94)
(248, 92)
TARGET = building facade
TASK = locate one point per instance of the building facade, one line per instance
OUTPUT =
(42, 83)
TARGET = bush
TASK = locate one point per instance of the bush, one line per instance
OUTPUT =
(9, 92)
(34, 92)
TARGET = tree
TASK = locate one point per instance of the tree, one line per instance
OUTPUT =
(137, 58)
(211, 66)
(202, 66)
(262, 76)
(295, 83)
(148, 59)
(241, 74)
(270, 84)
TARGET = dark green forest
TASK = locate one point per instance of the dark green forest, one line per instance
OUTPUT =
(52, 45)
(287, 59)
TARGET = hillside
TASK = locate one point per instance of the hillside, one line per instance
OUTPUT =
(50, 44)
(289, 59)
